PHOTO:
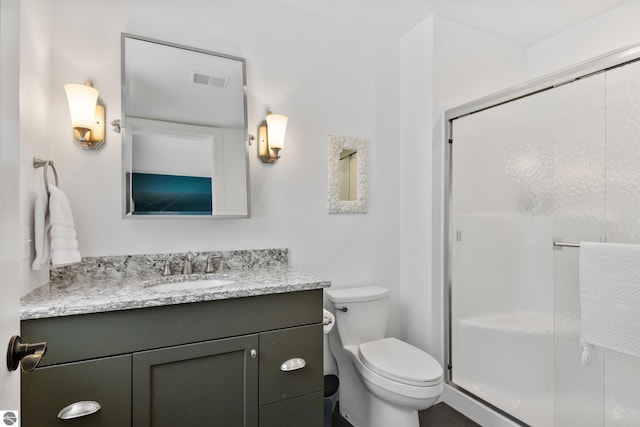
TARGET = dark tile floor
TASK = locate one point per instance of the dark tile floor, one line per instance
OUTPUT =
(439, 415)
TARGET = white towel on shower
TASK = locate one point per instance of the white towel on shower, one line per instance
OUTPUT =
(610, 296)
(54, 230)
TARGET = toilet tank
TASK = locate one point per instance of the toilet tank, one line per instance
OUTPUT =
(365, 318)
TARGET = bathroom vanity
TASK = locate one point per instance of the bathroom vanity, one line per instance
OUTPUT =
(246, 351)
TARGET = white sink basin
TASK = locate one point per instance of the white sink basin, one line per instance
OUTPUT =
(191, 285)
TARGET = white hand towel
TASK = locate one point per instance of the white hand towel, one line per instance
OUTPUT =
(63, 243)
(610, 296)
(41, 230)
(64, 246)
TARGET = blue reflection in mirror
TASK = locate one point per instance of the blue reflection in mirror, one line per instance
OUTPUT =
(171, 194)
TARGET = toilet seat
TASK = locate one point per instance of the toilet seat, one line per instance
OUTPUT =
(401, 362)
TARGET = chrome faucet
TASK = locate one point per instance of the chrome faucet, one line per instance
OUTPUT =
(187, 268)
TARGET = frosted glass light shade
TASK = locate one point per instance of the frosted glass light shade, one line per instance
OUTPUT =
(82, 101)
(276, 128)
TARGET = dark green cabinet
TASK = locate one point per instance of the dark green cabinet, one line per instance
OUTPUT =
(212, 383)
(216, 363)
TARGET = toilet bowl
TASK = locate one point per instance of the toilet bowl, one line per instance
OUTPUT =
(384, 381)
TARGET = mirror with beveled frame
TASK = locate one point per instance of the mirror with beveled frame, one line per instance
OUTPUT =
(184, 151)
(347, 160)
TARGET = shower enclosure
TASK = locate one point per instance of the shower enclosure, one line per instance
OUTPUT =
(557, 160)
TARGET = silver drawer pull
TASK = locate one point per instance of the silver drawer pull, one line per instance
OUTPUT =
(293, 364)
(79, 409)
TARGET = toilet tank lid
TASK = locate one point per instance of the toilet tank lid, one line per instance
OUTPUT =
(359, 294)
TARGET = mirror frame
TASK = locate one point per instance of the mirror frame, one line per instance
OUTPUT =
(124, 98)
(335, 204)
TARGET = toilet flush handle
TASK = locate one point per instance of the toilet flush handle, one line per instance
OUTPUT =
(342, 309)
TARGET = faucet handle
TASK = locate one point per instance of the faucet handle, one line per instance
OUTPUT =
(166, 271)
(210, 266)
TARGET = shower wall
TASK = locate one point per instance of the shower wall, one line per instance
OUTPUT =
(561, 164)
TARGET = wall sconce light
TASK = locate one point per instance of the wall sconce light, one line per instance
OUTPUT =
(271, 137)
(87, 116)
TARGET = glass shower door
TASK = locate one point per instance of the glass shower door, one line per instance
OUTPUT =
(524, 173)
(622, 401)
(579, 209)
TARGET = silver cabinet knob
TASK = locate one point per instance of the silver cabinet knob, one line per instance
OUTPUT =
(293, 364)
(253, 353)
(79, 409)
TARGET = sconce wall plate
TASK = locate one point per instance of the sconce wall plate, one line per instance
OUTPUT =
(265, 154)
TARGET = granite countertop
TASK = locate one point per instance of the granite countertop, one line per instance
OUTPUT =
(63, 298)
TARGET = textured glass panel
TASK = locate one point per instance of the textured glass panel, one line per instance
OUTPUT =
(579, 140)
(565, 164)
(622, 401)
(502, 277)
(525, 173)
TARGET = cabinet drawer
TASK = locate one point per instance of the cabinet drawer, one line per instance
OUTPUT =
(277, 347)
(300, 411)
(106, 381)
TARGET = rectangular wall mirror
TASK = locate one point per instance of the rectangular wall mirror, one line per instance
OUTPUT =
(347, 160)
(184, 151)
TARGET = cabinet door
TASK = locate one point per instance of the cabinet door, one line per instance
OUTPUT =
(48, 390)
(212, 383)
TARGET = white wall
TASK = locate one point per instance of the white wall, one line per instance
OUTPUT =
(328, 78)
(35, 112)
(444, 64)
(610, 31)
(415, 160)
(471, 64)
(9, 190)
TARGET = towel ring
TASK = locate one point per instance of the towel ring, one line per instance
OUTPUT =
(39, 163)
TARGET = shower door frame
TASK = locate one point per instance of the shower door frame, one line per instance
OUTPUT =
(582, 70)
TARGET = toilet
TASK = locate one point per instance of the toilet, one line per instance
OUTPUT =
(383, 381)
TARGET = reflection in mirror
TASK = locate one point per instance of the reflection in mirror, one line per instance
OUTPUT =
(185, 127)
(348, 170)
(347, 175)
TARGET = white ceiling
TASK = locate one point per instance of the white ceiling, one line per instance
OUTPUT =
(523, 22)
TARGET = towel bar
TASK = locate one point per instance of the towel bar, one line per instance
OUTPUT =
(39, 163)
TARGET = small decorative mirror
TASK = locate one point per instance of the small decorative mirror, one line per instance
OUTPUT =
(184, 151)
(347, 175)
